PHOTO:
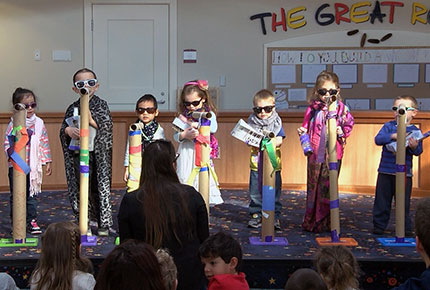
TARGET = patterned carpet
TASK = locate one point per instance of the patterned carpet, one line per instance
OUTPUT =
(265, 266)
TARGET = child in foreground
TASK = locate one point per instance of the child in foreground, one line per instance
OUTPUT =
(221, 256)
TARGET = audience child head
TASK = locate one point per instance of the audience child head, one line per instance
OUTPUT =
(338, 267)
(27, 98)
(60, 257)
(422, 229)
(305, 279)
(7, 282)
(195, 97)
(220, 254)
(326, 85)
(146, 108)
(168, 269)
(132, 265)
(264, 104)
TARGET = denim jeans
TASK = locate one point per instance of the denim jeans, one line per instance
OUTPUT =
(256, 200)
(385, 191)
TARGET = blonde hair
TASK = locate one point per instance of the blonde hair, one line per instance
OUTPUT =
(60, 257)
(263, 95)
(203, 92)
(168, 268)
(338, 267)
(409, 98)
(323, 77)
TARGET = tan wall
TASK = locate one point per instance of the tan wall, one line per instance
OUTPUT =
(358, 174)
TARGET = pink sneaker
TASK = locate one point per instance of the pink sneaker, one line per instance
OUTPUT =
(34, 228)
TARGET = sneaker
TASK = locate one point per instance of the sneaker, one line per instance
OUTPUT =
(255, 221)
(34, 228)
(105, 232)
(277, 225)
(378, 231)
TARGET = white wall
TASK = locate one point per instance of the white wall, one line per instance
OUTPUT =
(227, 42)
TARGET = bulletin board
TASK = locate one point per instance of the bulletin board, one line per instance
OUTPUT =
(370, 78)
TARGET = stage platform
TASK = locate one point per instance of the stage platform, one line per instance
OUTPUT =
(265, 266)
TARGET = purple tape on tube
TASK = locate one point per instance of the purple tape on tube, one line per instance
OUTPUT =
(132, 133)
(334, 237)
(85, 169)
(332, 165)
(19, 241)
(268, 239)
(268, 198)
(400, 240)
(205, 122)
(400, 168)
(331, 115)
(334, 203)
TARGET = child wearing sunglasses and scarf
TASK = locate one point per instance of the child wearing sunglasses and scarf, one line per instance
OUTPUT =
(264, 118)
(195, 97)
(315, 124)
(151, 130)
(100, 164)
(38, 154)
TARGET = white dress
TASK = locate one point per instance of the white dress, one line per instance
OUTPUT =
(185, 165)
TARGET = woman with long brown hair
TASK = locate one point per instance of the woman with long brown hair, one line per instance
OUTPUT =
(166, 214)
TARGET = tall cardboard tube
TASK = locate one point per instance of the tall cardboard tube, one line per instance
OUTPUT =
(135, 156)
(333, 172)
(400, 173)
(19, 182)
(205, 131)
(268, 197)
(84, 162)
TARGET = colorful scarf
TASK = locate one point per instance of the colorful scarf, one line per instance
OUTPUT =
(272, 124)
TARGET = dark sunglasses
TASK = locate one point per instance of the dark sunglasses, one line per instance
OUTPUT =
(323, 92)
(266, 109)
(31, 105)
(176, 157)
(91, 83)
(195, 103)
(406, 108)
(149, 110)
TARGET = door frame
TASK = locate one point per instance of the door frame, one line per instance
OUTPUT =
(172, 64)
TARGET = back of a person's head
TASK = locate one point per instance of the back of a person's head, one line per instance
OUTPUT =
(338, 267)
(305, 279)
(158, 162)
(222, 245)
(168, 269)
(422, 223)
(60, 256)
(7, 282)
(132, 265)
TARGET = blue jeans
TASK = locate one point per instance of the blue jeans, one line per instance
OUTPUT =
(385, 191)
(31, 201)
(256, 200)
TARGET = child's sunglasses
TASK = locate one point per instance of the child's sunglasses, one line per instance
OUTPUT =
(266, 109)
(195, 103)
(406, 108)
(323, 92)
(149, 110)
(21, 106)
(31, 105)
(91, 83)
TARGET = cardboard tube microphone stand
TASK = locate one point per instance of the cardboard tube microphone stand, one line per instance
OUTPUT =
(400, 174)
(205, 149)
(135, 157)
(268, 194)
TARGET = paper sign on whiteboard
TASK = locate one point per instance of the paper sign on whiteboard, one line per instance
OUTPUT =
(297, 95)
(375, 73)
(311, 71)
(283, 74)
(347, 73)
(406, 73)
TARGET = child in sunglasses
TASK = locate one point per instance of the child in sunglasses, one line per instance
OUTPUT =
(264, 118)
(315, 123)
(386, 182)
(146, 111)
(38, 154)
(195, 97)
(100, 164)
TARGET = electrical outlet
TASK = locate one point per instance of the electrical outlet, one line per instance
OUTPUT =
(37, 54)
